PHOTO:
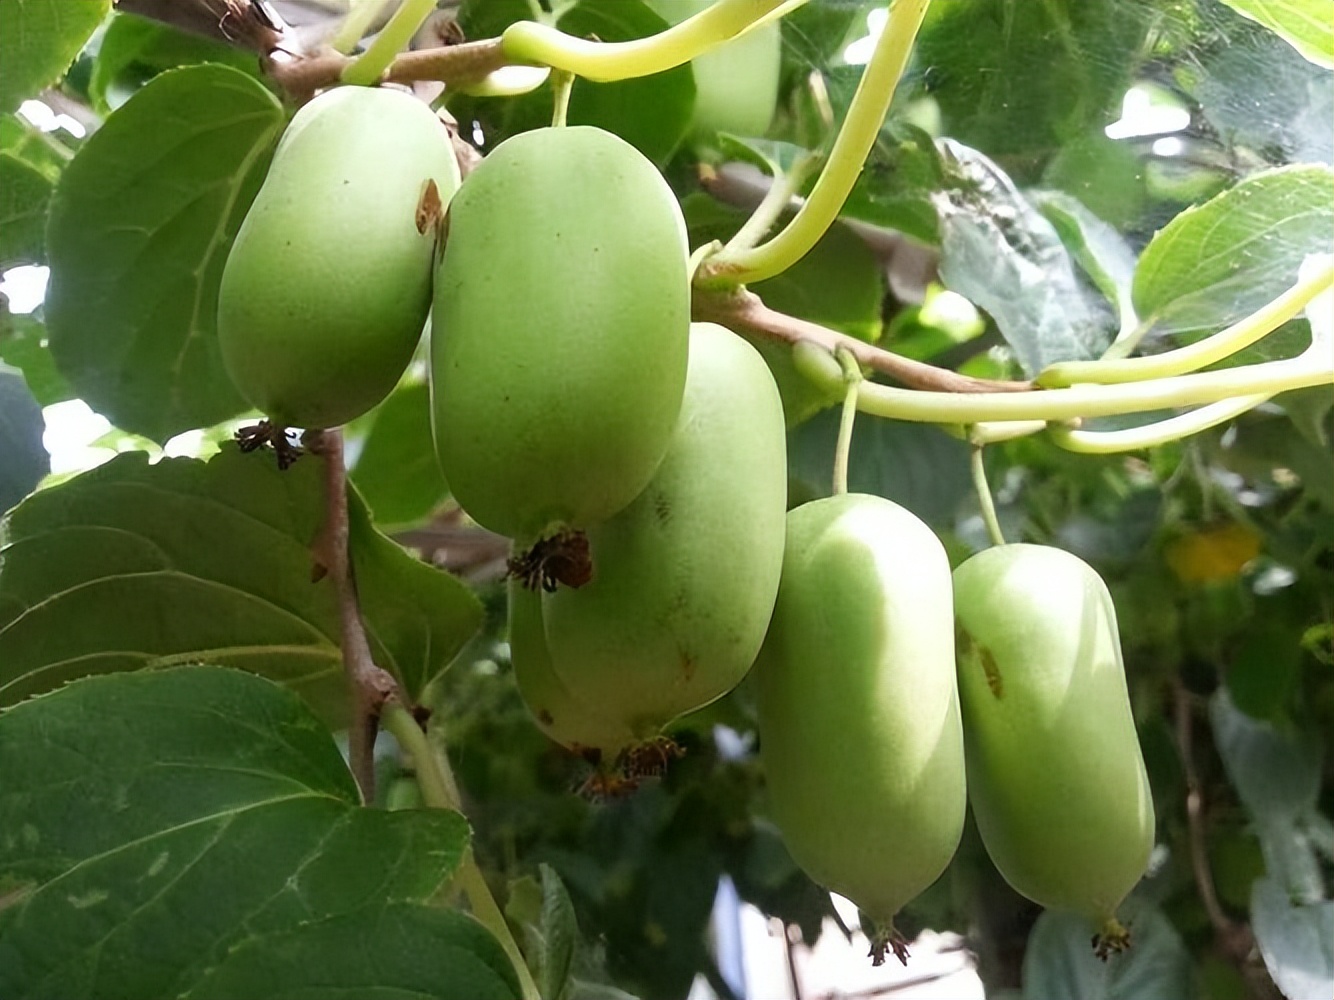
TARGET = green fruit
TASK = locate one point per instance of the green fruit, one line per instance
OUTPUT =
(1055, 773)
(562, 312)
(556, 711)
(328, 285)
(858, 708)
(685, 577)
(736, 84)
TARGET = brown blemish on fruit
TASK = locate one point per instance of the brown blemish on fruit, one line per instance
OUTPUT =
(662, 507)
(545, 717)
(562, 558)
(430, 209)
(969, 647)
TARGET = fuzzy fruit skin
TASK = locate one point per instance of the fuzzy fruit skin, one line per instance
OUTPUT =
(1055, 773)
(328, 284)
(554, 709)
(562, 313)
(736, 84)
(858, 708)
(685, 577)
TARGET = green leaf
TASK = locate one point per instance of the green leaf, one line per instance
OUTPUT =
(134, 49)
(23, 460)
(23, 345)
(140, 226)
(38, 149)
(24, 193)
(134, 565)
(163, 819)
(621, 107)
(397, 471)
(1059, 961)
(916, 465)
(383, 953)
(896, 185)
(1306, 25)
(38, 41)
(1000, 252)
(1217, 262)
(1100, 250)
(559, 934)
(1296, 940)
(1276, 771)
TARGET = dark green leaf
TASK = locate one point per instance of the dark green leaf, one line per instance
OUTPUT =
(134, 49)
(23, 345)
(620, 107)
(391, 952)
(816, 34)
(1099, 250)
(37, 149)
(1276, 771)
(916, 465)
(1060, 961)
(896, 185)
(24, 193)
(169, 816)
(1000, 252)
(38, 41)
(1019, 80)
(1106, 176)
(1296, 940)
(23, 460)
(1303, 24)
(488, 18)
(1215, 263)
(397, 471)
(140, 226)
(133, 565)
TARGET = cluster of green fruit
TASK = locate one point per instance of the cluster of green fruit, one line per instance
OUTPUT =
(638, 462)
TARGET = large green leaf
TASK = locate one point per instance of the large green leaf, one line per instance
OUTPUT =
(161, 821)
(23, 460)
(39, 39)
(23, 345)
(1059, 961)
(1296, 939)
(1217, 262)
(134, 49)
(386, 953)
(140, 226)
(24, 193)
(1306, 25)
(997, 249)
(134, 565)
(396, 469)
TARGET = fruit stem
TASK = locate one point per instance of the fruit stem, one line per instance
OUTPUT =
(1270, 377)
(355, 22)
(543, 45)
(984, 499)
(394, 37)
(775, 202)
(562, 83)
(852, 145)
(1210, 350)
(852, 376)
(1157, 433)
(440, 791)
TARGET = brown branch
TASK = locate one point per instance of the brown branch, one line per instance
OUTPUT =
(369, 685)
(1234, 939)
(744, 312)
(463, 63)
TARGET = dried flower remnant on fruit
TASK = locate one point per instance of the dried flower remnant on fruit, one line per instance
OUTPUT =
(269, 435)
(562, 558)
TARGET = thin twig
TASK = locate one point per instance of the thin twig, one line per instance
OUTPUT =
(463, 63)
(744, 312)
(369, 686)
(1234, 938)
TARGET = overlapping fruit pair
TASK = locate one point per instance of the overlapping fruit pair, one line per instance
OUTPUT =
(639, 460)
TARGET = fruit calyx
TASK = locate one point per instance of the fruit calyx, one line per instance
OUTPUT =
(267, 434)
(884, 939)
(562, 557)
(1112, 939)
